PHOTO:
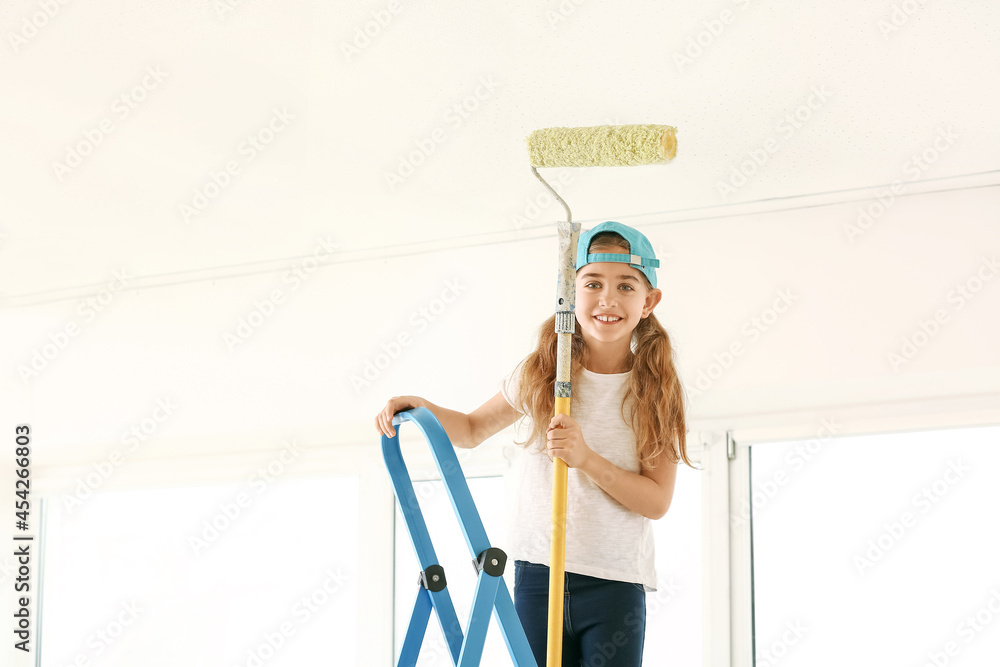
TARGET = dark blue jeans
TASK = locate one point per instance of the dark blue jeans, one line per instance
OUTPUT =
(604, 621)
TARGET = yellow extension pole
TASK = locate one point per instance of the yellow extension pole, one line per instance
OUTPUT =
(569, 232)
(557, 556)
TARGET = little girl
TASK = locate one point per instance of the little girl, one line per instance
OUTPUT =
(622, 446)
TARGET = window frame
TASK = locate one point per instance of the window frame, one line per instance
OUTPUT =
(727, 545)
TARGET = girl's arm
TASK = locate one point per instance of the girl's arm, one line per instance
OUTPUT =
(464, 430)
(647, 493)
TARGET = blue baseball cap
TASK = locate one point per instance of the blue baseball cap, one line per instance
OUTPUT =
(641, 252)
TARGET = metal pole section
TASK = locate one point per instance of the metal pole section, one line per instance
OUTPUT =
(569, 233)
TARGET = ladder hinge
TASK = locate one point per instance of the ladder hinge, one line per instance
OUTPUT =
(433, 578)
(492, 560)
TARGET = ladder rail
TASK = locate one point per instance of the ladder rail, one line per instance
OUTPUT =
(491, 592)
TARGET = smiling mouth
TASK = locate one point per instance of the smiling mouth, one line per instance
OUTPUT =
(607, 319)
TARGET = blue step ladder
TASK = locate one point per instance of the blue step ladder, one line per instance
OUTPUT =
(491, 595)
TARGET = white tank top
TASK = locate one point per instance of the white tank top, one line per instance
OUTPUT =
(603, 538)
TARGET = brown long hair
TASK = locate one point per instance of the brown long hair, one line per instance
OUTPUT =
(658, 420)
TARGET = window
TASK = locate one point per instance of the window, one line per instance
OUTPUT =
(879, 549)
(204, 576)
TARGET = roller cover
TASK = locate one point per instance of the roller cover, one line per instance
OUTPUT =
(602, 146)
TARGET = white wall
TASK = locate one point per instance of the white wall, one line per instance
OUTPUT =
(303, 370)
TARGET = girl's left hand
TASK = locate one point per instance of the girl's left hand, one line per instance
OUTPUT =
(565, 441)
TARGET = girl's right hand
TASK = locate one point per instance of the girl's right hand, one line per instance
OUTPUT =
(383, 420)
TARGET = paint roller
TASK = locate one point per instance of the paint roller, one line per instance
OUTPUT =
(599, 146)
(602, 146)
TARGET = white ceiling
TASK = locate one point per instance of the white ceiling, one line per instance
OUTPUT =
(888, 96)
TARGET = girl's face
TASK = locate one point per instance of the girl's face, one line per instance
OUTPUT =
(611, 299)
